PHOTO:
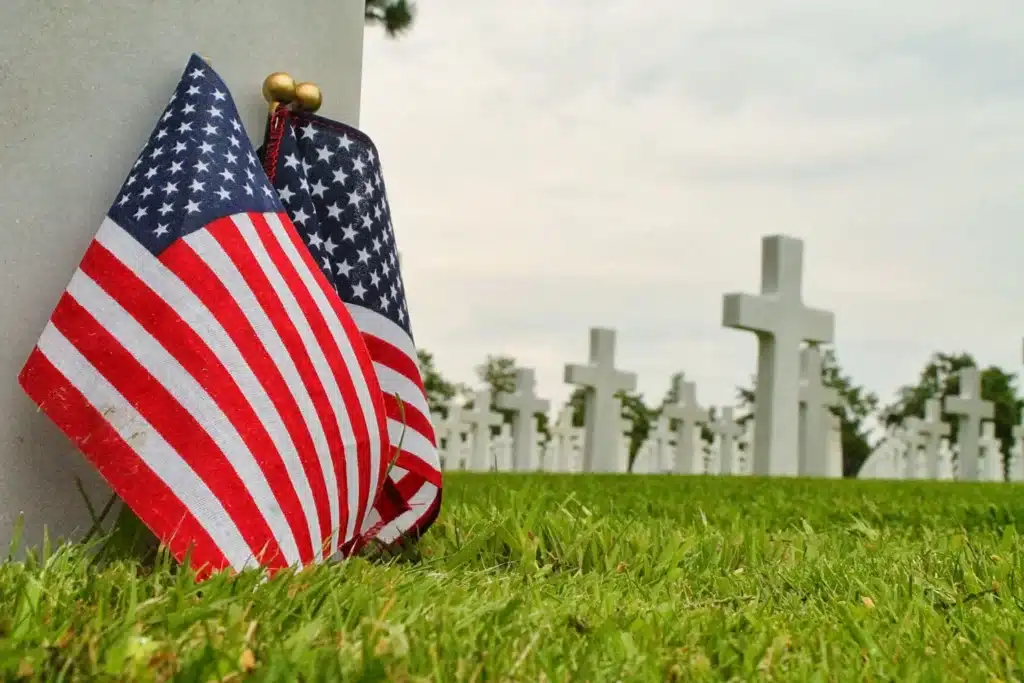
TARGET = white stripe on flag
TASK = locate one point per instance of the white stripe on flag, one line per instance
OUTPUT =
(202, 243)
(191, 396)
(384, 329)
(156, 453)
(192, 311)
(348, 354)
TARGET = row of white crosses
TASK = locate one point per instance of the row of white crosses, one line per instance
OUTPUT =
(794, 425)
(920, 447)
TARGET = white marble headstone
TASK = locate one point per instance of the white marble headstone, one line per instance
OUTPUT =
(602, 408)
(932, 430)
(815, 401)
(781, 322)
(479, 419)
(970, 410)
(689, 416)
(84, 84)
(990, 453)
(524, 405)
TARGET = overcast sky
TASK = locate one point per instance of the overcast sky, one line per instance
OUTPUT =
(554, 166)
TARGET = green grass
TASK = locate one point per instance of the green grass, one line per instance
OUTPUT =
(586, 578)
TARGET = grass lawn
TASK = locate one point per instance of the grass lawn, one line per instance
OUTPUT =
(576, 578)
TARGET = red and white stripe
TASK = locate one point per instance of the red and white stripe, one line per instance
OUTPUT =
(417, 469)
(222, 389)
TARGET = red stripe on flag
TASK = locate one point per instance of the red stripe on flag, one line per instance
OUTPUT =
(175, 424)
(227, 235)
(416, 465)
(355, 337)
(325, 340)
(198, 277)
(164, 324)
(142, 490)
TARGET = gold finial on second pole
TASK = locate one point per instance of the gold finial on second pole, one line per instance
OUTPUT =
(308, 96)
(278, 88)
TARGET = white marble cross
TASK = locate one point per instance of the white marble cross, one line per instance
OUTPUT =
(990, 451)
(1016, 464)
(834, 447)
(727, 431)
(781, 322)
(563, 438)
(480, 418)
(932, 429)
(661, 439)
(815, 401)
(602, 408)
(690, 416)
(450, 430)
(501, 449)
(524, 405)
(971, 410)
(913, 440)
(944, 469)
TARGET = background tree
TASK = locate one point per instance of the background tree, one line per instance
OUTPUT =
(857, 405)
(396, 16)
(940, 379)
(438, 389)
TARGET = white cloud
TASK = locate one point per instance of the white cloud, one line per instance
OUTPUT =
(554, 166)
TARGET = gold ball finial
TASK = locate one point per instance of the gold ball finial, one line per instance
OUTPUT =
(279, 88)
(308, 96)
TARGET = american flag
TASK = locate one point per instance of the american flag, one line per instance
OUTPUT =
(202, 362)
(329, 176)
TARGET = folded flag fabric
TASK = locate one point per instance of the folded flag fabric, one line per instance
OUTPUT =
(329, 177)
(203, 363)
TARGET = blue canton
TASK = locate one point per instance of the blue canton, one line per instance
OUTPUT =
(197, 166)
(329, 177)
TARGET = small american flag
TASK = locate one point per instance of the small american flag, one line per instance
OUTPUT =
(329, 176)
(205, 366)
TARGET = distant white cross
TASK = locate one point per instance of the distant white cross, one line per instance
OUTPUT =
(727, 430)
(524, 405)
(690, 416)
(450, 430)
(563, 439)
(660, 437)
(971, 410)
(480, 418)
(932, 429)
(991, 451)
(913, 440)
(1016, 463)
(781, 322)
(815, 401)
(602, 408)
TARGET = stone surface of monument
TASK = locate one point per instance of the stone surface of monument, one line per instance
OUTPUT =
(781, 322)
(970, 410)
(1015, 465)
(479, 419)
(524, 405)
(932, 430)
(83, 94)
(815, 400)
(689, 417)
(602, 408)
